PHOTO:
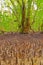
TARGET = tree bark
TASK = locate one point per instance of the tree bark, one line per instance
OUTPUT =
(25, 20)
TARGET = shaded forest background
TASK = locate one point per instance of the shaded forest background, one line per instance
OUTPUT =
(11, 15)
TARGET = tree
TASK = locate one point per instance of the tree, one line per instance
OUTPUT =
(21, 10)
(28, 14)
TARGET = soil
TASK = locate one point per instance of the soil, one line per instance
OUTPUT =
(16, 45)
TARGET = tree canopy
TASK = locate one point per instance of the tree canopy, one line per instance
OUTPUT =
(21, 15)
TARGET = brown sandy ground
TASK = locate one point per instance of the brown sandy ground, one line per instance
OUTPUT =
(21, 49)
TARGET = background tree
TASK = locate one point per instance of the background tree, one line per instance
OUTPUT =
(21, 15)
(22, 11)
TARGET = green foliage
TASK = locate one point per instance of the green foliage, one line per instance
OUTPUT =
(12, 22)
(7, 23)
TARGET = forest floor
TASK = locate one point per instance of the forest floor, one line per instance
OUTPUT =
(21, 49)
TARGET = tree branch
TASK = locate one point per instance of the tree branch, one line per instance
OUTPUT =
(13, 12)
(13, 5)
(19, 3)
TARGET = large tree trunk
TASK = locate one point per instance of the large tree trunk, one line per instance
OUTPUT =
(21, 49)
(26, 20)
(23, 17)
